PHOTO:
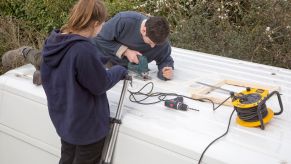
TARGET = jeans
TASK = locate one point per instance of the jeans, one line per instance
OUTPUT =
(81, 154)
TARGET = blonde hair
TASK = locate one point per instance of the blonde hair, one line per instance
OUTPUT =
(84, 14)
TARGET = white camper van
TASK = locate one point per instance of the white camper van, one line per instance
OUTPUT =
(156, 134)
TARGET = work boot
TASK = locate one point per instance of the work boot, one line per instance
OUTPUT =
(33, 56)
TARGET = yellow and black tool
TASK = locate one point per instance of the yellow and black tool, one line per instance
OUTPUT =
(251, 107)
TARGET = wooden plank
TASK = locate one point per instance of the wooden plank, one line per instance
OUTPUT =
(216, 100)
(209, 89)
(203, 92)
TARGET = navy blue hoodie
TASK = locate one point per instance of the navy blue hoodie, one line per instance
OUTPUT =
(75, 82)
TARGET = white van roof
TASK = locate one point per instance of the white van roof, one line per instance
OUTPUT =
(187, 133)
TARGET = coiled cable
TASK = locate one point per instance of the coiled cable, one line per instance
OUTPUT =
(251, 114)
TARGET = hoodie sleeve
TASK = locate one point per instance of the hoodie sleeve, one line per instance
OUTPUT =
(91, 73)
(107, 36)
(164, 59)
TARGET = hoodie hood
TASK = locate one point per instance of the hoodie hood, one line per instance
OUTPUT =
(57, 45)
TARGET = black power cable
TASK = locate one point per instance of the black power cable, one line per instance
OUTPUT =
(248, 115)
(161, 96)
(251, 114)
(245, 114)
(201, 157)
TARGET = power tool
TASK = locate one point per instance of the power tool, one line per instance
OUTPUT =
(177, 103)
(141, 69)
(251, 107)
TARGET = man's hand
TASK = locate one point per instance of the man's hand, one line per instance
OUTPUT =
(168, 72)
(132, 55)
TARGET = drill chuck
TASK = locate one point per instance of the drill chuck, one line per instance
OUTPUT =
(182, 106)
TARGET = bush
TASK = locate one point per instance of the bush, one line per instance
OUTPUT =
(44, 15)
(28, 22)
(15, 33)
(253, 30)
(173, 10)
(115, 6)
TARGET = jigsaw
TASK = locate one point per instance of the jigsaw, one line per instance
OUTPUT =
(141, 69)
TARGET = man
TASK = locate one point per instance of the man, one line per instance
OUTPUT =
(129, 34)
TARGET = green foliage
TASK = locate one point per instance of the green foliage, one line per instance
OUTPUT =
(256, 30)
(48, 14)
(115, 6)
(13, 8)
(15, 33)
(43, 15)
(27, 22)
(173, 10)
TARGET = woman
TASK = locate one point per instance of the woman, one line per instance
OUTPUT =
(76, 82)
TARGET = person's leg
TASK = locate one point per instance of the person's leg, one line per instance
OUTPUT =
(12, 59)
(67, 153)
(33, 56)
(89, 154)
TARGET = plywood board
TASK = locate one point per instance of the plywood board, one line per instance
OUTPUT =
(203, 91)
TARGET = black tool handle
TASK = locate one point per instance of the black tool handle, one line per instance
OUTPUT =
(264, 101)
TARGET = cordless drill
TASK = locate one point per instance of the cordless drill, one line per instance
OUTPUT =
(176, 103)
